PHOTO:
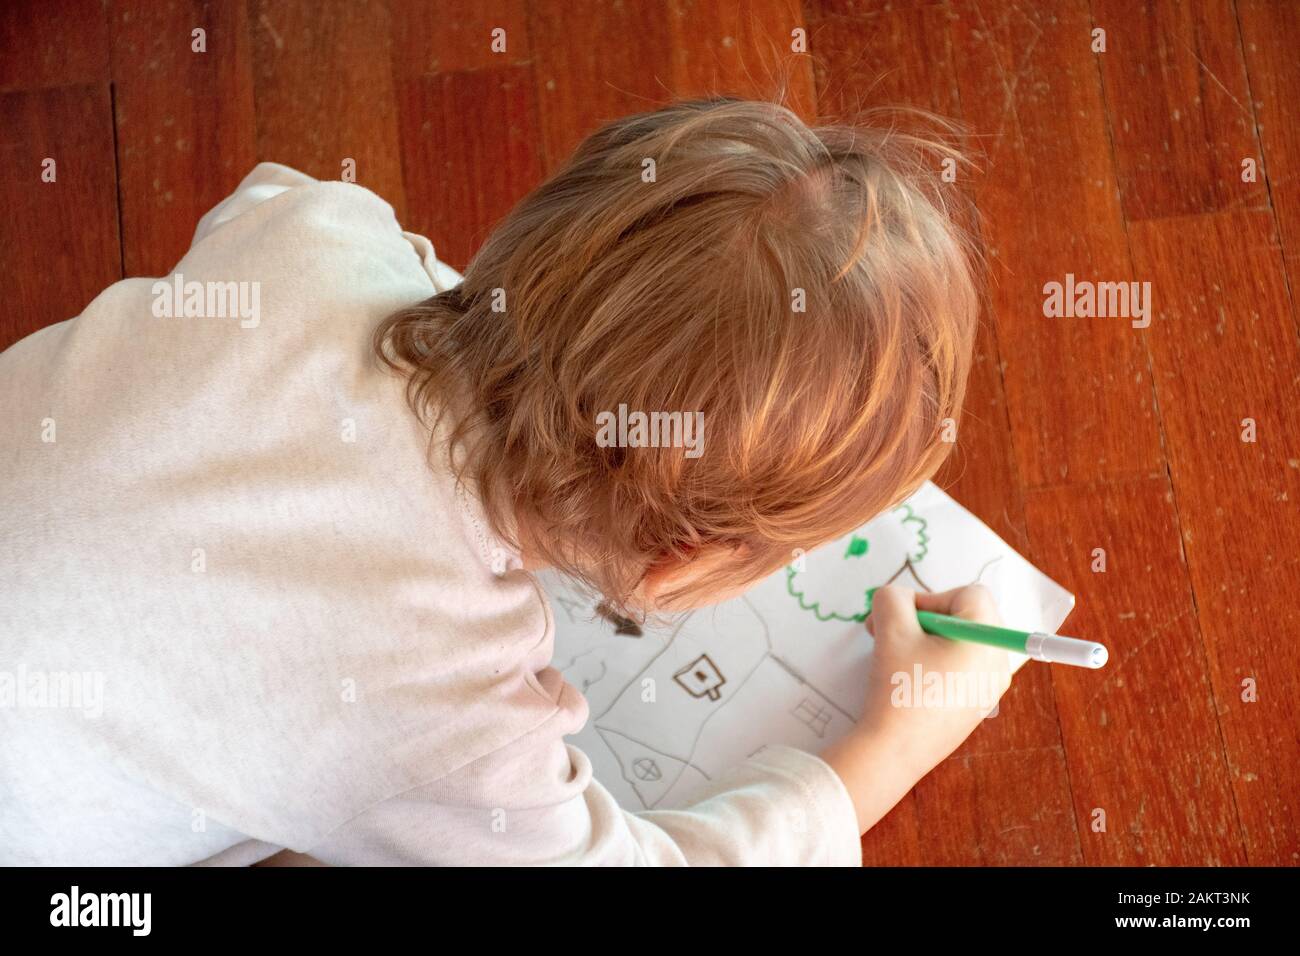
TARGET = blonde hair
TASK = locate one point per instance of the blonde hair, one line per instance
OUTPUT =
(680, 292)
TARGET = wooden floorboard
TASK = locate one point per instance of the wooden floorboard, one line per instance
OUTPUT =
(1078, 393)
(323, 82)
(1270, 35)
(53, 43)
(177, 162)
(458, 35)
(601, 61)
(1179, 106)
(1148, 766)
(470, 150)
(741, 48)
(58, 239)
(1226, 355)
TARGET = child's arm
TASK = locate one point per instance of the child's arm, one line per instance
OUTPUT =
(894, 746)
(535, 802)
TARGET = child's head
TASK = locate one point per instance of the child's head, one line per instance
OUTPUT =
(805, 289)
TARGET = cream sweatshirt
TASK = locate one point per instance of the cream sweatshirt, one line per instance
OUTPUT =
(242, 610)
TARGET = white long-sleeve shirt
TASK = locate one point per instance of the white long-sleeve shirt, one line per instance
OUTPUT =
(243, 609)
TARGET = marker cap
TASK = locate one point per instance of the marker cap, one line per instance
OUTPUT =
(1065, 650)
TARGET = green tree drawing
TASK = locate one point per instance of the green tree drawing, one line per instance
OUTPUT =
(884, 531)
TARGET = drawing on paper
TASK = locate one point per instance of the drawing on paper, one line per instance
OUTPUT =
(786, 663)
(813, 714)
(888, 550)
(683, 750)
(700, 678)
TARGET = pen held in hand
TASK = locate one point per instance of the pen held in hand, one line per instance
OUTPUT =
(1052, 648)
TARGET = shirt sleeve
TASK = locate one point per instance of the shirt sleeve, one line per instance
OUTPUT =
(535, 803)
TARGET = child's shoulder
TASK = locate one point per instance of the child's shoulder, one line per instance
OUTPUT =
(283, 200)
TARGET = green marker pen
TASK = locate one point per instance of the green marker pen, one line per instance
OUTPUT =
(1052, 648)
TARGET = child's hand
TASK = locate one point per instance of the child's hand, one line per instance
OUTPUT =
(907, 728)
(960, 682)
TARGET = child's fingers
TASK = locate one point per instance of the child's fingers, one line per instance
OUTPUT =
(973, 602)
(893, 604)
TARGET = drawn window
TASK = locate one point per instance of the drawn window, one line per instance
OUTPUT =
(814, 714)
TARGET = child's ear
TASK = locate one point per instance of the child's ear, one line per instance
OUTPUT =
(673, 572)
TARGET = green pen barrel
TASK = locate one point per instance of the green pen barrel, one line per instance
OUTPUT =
(945, 625)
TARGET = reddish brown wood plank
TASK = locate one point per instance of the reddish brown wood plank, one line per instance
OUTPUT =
(1141, 739)
(324, 87)
(595, 62)
(470, 144)
(895, 840)
(741, 49)
(176, 161)
(900, 58)
(1002, 808)
(58, 240)
(53, 43)
(1179, 106)
(822, 8)
(443, 37)
(1225, 349)
(1078, 390)
(1271, 36)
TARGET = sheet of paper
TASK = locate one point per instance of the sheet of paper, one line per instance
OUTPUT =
(785, 663)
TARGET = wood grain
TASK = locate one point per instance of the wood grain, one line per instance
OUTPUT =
(178, 162)
(470, 143)
(1270, 35)
(1049, 205)
(323, 79)
(457, 35)
(601, 61)
(58, 240)
(1000, 808)
(1179, 106)
(1147, 756)
(1225, 350)
(899, 58)
(741, 49)
(53, 43)
(896, 840)
(904, 58)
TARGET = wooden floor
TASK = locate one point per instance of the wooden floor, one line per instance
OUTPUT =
(1131, 164)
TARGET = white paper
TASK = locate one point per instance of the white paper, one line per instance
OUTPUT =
(786, 663)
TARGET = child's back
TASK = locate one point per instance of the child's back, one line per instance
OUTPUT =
(224, 536)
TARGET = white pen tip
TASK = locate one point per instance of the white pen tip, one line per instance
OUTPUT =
(1056, 649)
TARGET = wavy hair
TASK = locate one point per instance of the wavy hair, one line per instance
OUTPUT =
(812, 291)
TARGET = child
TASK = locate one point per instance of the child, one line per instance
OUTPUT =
(286, 592)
